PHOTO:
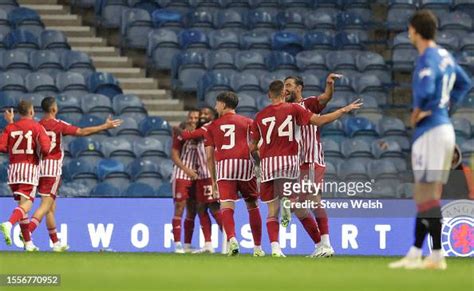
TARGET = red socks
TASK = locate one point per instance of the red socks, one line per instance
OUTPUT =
(33, 224)
(218, 217)
(256, 225)
(53, 235)
(309, 224)
(205, 221)
(176, 222)
(322, 219)
(17, 215)
(188, 230)
(273, 228)
(228, 222)
(24, 229)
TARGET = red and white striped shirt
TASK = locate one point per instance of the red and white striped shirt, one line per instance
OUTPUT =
(311, 146)
(23, 173)
(188, 155)
(203, 170)
(276, 127)
(229, 137)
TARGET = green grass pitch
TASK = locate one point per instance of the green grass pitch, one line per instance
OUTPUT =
(151, 271)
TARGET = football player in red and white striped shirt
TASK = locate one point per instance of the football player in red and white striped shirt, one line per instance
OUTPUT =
(276, 128)
(51, 166)
(232, 170)
(25, 141)
(313, 165)
(184, 156)
(204, 194)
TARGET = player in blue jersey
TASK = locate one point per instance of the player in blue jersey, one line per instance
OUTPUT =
(438, 84)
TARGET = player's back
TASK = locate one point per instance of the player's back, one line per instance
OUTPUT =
(229, 135)
(56, 129)
(23, 141)
(437, 82)
(278, 130)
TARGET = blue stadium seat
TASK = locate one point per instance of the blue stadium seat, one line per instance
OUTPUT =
(76, 189)
(467, 149)
(91, 120)
(166, 18)
(123, 103)
(385, 148)
(68, 103)
(97, 105)
(312, 85)
(256, 41)
(113, 171)
(334, 129)
(135, 27)
(12, 84)
(27, 19)
(111, 13)
(154, 125)
(5, 189)
(148, 146)
(221, 61)
(320, 19)
(188, 68)
(147, 5)
(287, 41)
(247, 84)
(456, 22)
(436, 5)
(139, 190)
(223, 39)
(247, 104)
(261, 20)
(331, 148)
(291, 21)
(103, 83)
(85, 146)
(352, 170)
(230, 20)
(405, 190)
(382, 171)
(464, 5)
(80, 62)
(391, 126)
(4, 24)
(40, 83)
(3, 43)
(16, 61)
(22, 40)
(35, 99)
(462, 128)
(397, 18)
(105, 189)
(201, 19)
(356, 148)
(250, 62)
(54, 40)
(71, 83)
(82, 170)
(166, 169)
(403, 4)
(349, 20)
(193, 39)
(8, 5)
(373, 63)
(349, 41)
(46, 61)
(313, 61)
(280, 60)
(128, 129)
(368, 84)
(268, 77)
(119, 149)
(340, 60)
(162, 46)
(164, 191)
(383, 189)
(5, 103)
(211, 84)
(359, 126)
(447, 40)
(145, 171)
(318, 40)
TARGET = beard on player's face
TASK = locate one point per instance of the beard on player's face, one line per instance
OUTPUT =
(290, 96)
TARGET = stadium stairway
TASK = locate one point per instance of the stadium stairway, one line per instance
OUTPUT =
(106, 58)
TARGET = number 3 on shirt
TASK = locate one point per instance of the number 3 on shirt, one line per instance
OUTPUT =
(19, 136)
(52, 136)
(229, 131)
(285, 129)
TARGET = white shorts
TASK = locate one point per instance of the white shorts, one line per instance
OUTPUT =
(432, 154)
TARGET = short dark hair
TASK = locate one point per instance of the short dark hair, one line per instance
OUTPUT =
(47, 103)
(229, 98)
(297, 79)
(213, 111)
(276, 88)
(24, 107)
(193, 109)
(425, 23)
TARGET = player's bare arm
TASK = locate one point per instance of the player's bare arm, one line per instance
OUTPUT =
(9, 115)
(211, 165)
(179, 163)
(418, 115)
(329, 91)
(330, 117)
(108, 124)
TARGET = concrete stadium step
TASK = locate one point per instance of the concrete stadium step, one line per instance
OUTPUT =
(170, 115)
(164, 104)
(48, 9)
(75, 31)
(37, 2)
(112, 62)
(138, 83)
(123, 72)
(92, 41)
(147, 94)
(97, 50)
(61, 20)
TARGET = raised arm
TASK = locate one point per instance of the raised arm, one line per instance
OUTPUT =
(329, 91)
(108, 124)
(330, 117)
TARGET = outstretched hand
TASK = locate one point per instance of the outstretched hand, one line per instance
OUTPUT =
(113, 123)
(353, 106)
(9, 115)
